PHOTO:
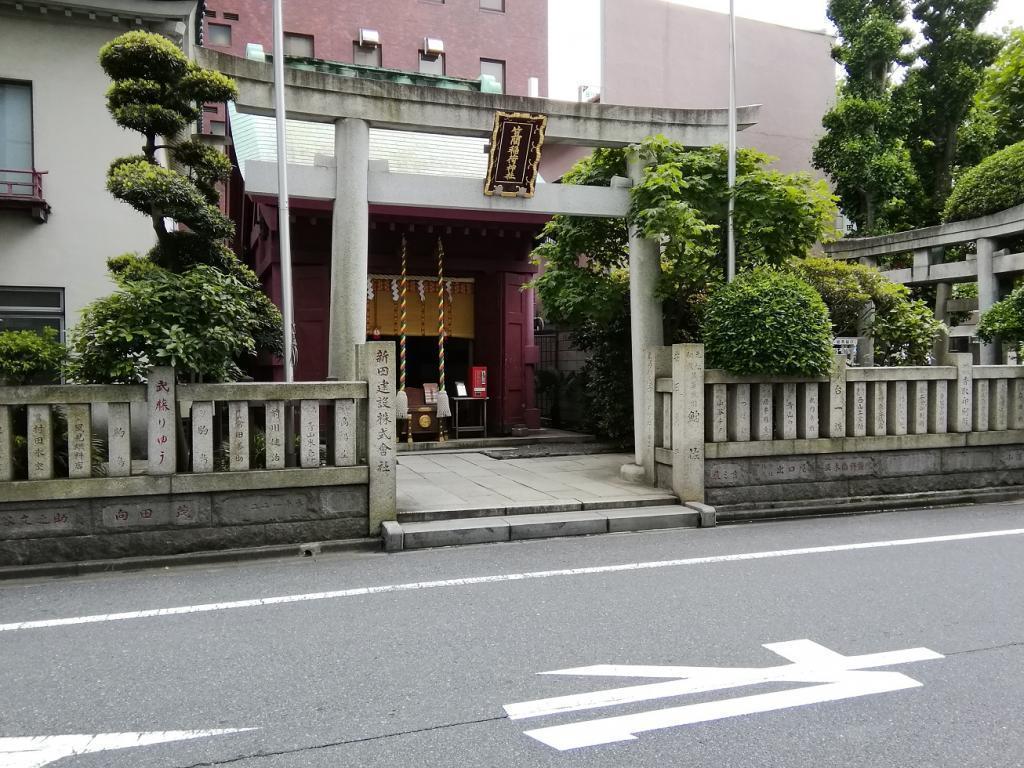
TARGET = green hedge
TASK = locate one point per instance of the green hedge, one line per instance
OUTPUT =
(768, 322)
(994, 184)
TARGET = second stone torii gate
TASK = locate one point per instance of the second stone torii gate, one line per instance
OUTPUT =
(354, 105)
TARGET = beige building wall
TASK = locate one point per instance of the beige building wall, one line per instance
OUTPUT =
(658, 53)
(74, 141)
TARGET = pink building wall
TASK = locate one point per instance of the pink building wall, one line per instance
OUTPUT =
(518, 36)
(656, 53)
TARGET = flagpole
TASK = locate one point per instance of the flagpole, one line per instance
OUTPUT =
(283, 216)
(730, 268)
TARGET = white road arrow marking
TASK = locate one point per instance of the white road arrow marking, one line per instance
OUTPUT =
(839, 677)
(37, 751)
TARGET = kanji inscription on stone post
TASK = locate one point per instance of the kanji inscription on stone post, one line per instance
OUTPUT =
(688, 421)
(119, 440)
(275, 434)
(379, 369)
(40, 443)
(79, 440)
(161, 402)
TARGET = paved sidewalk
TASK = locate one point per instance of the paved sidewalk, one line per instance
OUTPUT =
(461, 481)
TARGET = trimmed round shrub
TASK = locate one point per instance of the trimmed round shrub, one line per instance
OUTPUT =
(768, 322)
(993, 185)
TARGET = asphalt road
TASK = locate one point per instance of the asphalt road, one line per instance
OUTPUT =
(421, 675)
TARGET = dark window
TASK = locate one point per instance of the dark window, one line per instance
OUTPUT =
(31, 309)
(298, 45)
(231, 16)
(366, 55)
(218, 35)
(493, 5)
(210, 14)
(495, 69)
(210, 108)
(431, 65)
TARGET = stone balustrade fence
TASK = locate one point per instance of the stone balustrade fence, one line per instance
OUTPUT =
(315, 459)
(700, 417)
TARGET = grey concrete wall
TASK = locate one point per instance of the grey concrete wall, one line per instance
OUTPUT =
(661, 54)
(766, 482)
(74, 141)
(129, 526)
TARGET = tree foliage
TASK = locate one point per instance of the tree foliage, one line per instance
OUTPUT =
(28, 357)
(999, 104)
(863, 149)
(1004, 319)
(903, 328)
(682, 202)
(768, 322)
(951, 63)
(189, 302)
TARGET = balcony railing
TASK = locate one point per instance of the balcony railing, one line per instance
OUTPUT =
(23, 189)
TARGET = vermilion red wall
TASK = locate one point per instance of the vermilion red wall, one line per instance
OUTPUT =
(519, 36)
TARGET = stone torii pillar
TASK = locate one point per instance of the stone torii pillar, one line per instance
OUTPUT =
(350, 247)
(646, 322)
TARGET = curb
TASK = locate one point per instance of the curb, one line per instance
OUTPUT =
(209, 557)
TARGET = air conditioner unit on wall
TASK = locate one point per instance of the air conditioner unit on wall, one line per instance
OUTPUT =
(433, 46)
(369, 38)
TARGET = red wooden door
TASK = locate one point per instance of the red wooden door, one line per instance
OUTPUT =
(518, 353)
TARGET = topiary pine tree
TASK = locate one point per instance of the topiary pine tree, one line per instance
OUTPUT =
(189, 302)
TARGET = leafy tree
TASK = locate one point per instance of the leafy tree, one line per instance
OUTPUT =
(999, 103)
(863, 151)
(682, 202)
(190, 302)
(903, 328)
(952, 61)
(768, 322)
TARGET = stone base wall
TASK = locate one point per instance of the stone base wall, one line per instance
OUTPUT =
(34, 532)
(752, 483)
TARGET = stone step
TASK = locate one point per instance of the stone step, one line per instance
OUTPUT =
(653, 499)
(540, 525)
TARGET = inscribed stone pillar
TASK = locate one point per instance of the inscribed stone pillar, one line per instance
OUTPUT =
(645, 316)
(162, 405)
(988, 292)
(379, 372)
(688, 421)
(657, 365)
(349, 247)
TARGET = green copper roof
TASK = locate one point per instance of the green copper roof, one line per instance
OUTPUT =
(379, 73)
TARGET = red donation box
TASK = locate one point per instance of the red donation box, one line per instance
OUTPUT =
(478, 381)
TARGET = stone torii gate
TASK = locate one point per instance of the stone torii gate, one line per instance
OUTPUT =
(354, 105)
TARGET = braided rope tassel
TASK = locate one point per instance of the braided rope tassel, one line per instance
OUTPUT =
(443, 405)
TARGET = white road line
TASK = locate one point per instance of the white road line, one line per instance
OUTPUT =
(497, 578)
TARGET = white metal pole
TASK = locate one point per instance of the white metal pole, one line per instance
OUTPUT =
(283, 217)
(730, 268)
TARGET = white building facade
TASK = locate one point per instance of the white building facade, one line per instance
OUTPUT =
(58, 223)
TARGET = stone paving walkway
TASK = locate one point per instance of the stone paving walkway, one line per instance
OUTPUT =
(464, 481)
